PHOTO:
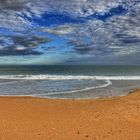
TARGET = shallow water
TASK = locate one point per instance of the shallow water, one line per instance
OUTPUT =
(69, 81)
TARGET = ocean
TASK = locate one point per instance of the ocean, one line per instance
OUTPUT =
(69, 82)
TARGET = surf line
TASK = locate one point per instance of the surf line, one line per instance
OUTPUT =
(67, 77)
(108, 82)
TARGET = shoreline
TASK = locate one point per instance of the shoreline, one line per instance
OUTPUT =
(59, 119)
(133, 91)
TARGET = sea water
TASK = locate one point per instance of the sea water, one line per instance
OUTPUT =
(68, 81)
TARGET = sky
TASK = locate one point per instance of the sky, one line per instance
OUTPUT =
(69, 32)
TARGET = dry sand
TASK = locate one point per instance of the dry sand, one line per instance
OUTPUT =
(25, 118)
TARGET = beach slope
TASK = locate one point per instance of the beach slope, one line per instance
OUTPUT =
(26, 118)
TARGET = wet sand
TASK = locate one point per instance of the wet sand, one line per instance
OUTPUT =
(26, 118)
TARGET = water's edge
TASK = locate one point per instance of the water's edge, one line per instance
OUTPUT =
(73, 99)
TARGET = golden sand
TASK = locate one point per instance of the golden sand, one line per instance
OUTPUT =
(25, 118)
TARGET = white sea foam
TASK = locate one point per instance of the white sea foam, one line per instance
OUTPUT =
(107, 83)
(107, 79)
(48, 77)
(67, 77)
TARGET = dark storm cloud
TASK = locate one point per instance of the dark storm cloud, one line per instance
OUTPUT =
(13, 4)
(29, 42)
(12, 51)
(21, 45)
(81, 47)
(129, 40)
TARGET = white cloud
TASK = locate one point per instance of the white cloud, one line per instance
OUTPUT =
(118, 35)
(60, 30)
(13, 13)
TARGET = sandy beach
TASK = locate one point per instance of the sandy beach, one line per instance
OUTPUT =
(26, 118)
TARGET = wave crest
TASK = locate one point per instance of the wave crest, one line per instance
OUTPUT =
(68, 77)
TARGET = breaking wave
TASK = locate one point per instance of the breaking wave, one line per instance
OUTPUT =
(32, 89)
(67, 77)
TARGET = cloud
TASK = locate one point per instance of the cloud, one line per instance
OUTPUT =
(13, 4)
(60, 30)
(21, 45)
(17, 50)
(119, 35)
(102, 34)
(19, 13)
